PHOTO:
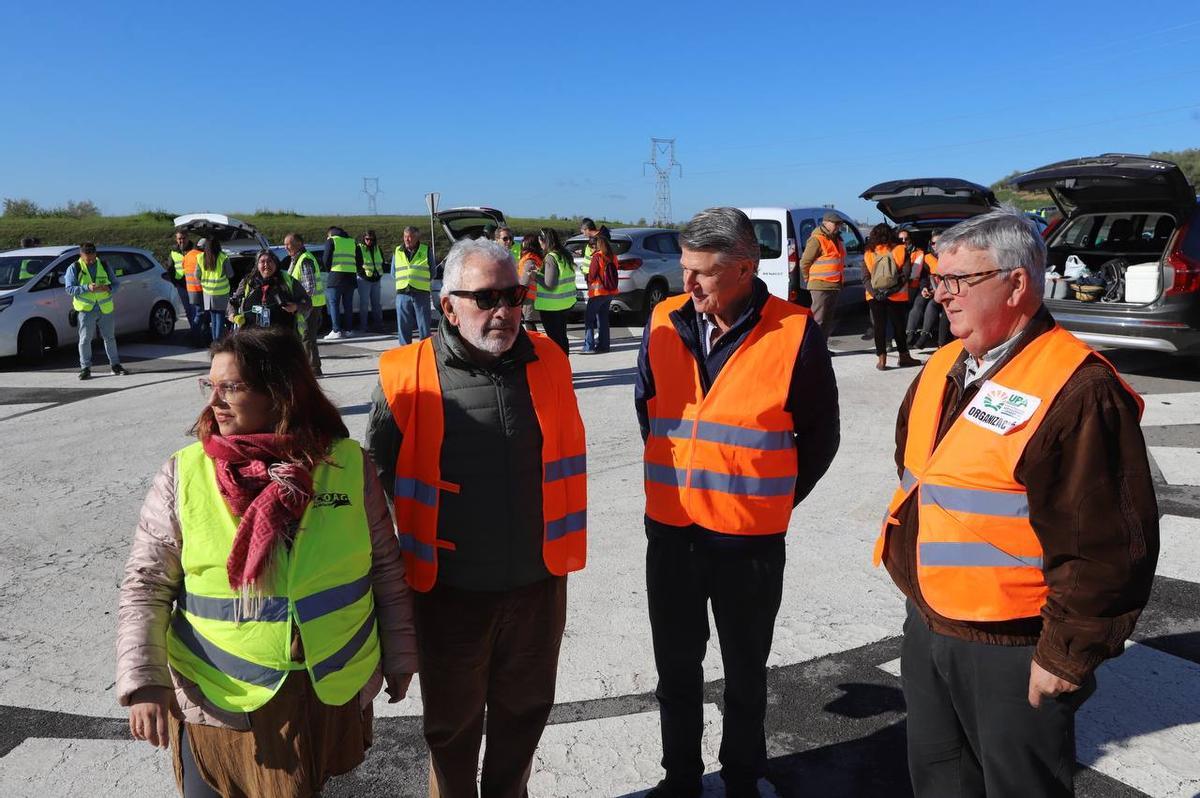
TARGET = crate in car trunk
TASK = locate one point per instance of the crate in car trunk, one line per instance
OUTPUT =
(1141, 283)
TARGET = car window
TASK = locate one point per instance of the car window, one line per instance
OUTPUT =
(16, 270)
(806, 229)
(669, 245)
(145, 263)
(770, 238)
(56, 278)
(119, 263)
(851, 239)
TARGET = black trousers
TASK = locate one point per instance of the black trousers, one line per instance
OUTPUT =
(882, 312)
(554, 322)
(684, 573)
(971, 730)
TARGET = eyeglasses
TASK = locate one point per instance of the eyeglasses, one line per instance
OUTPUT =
(488, 298)
(954, 282)
(506, 238)
(228, 391)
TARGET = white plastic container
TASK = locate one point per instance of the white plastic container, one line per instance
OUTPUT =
(1141, 283)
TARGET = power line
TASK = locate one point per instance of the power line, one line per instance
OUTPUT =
(371, 189)
(662, 199)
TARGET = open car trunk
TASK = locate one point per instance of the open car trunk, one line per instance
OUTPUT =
(1121, 253)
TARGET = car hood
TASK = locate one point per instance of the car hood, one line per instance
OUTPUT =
(1110, 182)
(468, 222)
(202, 224)
(930, 199)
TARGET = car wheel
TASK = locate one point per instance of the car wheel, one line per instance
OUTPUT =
(162, 320)
(655, 292)
(34, 339)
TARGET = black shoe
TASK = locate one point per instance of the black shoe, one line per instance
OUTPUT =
(742, 790)
(912, 339)
(924, 340)
(85, 374)
(867, 336)
(119, 370)
(669, 789)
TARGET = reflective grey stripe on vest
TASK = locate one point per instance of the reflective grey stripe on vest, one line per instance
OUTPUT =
(562, 293)
(420, 550)
(566, 467)
(571, 522)
(220, 659)
(973, 555)
(332, 599)
(272, 608)
(907, 480)
(415, 489)
(714, 432)
(974, 500)
(734, 484)
(341, 658)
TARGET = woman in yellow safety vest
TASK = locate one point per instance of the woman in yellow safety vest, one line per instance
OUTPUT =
(264, 602)
(214, 271)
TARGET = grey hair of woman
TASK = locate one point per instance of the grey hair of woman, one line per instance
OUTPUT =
(1010, 239)
(726, 231)
(467, 249)
(269, 255)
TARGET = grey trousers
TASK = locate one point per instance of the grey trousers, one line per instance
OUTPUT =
(971, 730)
(312, 331)
(825, 310)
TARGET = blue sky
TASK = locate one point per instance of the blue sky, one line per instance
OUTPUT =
(542, 108)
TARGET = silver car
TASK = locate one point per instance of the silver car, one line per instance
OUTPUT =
(35, 311)
(648, 269)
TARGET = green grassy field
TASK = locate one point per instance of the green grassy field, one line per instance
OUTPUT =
(154, 231)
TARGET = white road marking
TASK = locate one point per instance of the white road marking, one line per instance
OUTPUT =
(1180, 466)
(1179, 555)
(1164, 409)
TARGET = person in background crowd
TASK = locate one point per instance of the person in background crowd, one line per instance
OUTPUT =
(602, 286)
(373, 269)
(1024, 531)
(414, 268)
(587, 227)
(195, 291)
(555, 287)
(888, 303)
(178, 254)
(923, 316)
(489, 232)
(302, 266)
(264, 602)
(505, 236)
(822, 266)
(92, 288)
(212, 265)
(728, 456)
(481, 413)
(342, 264)
(529, 267)
(269, 297)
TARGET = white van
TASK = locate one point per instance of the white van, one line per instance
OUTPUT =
(782, 234)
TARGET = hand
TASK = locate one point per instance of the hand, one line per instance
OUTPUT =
(396, 686)
(1044, 684)
(925, 293)
(148, 715)
(291, 307)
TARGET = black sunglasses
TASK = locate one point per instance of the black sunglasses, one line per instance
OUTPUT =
(488, 298)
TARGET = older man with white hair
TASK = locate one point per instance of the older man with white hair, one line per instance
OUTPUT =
(477, 436)
(1024, 531)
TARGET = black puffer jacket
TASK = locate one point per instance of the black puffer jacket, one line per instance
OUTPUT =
(492, 449)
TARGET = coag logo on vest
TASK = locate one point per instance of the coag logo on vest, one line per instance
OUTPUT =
(1001, 409)
(331, 500)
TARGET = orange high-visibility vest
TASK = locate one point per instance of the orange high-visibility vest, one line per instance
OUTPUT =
(978, 555)
(596, 287)
(914, 274)
(725, 460)
(410, 382)
(831, 264)
(901, 258)
(528, 262)
(931, 262)
(190, 278)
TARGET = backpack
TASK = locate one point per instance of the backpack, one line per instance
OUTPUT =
(886, 276)
(608, 275)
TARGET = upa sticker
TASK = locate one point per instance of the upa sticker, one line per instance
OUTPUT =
(1001, 409)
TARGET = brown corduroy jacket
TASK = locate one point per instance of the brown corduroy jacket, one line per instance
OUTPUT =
(1092, 506)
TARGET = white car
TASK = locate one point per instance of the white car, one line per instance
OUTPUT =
(35, 311)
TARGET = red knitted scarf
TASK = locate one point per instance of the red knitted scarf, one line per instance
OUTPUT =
(267, 492)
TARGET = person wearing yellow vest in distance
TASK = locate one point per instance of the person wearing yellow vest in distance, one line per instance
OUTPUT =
(303, 267)
(264, 601)
(177, 253)
(505, 236)
(738, 408)
(342, 264)
(886, 285)
(212, 266)
(414, 269)
(822, 265)
(92, 288)
(459, 425)
(555, 287)
(529, 266)
(587, 227)
(602, 282)
(28, 242)
(1024, 530)
(269, 297)
(373, 268)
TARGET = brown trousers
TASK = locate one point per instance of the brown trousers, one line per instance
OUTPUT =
(312, 331)
(497, 650)
(825, 310)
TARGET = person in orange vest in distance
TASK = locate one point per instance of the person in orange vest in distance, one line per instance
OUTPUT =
(738, 408)
(886, 285)
(462, 422)
(822, 265)
(1024, 530)
(529, 266)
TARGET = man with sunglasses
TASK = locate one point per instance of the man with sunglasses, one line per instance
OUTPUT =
(504, 235)
(477, 436)
(1024, 530)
